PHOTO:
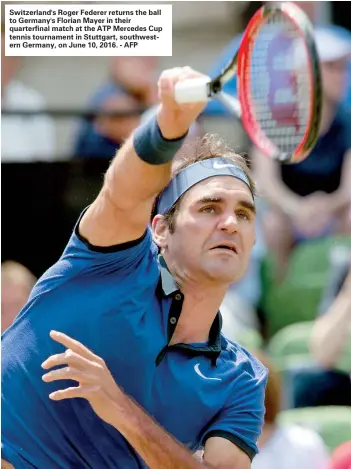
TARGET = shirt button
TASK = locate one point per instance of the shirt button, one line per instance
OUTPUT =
(178, 296)
(173, 320)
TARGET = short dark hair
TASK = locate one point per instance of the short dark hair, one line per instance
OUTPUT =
(203, 148)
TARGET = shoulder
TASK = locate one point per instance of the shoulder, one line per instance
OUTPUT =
(245, 362)
(136, 259)
(130, 257)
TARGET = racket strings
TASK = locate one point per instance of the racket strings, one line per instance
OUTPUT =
(280, 83)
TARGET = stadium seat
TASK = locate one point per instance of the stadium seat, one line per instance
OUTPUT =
(297, 299)
(333, 424)
(290, 347)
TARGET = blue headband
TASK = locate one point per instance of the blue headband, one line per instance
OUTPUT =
(195, 173)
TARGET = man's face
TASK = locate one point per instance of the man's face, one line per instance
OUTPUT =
(218, 211)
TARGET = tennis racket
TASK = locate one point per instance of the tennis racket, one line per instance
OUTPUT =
(278, 83)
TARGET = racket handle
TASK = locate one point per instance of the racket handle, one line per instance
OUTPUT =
(194, 90)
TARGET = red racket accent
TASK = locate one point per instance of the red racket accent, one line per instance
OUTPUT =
(250, 123)
(288, 113)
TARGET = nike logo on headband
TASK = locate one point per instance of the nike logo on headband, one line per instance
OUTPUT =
(217, 165)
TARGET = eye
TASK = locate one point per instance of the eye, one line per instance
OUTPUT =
(208, 209)
(244, 215)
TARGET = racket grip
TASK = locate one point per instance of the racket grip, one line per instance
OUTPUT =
(193, 90)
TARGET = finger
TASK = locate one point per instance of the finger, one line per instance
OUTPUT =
(70, 393)
(169, 75)
(166, 85)
(169, 78)
(188, 72)
(73, 344)
(69, 373)
(68, 358)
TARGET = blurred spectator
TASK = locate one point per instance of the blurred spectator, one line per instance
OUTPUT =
(16, 284)
(131, 87)
(339, 264)
(335, 323)
(330, 338)
(312, 198)
(288, 446)
(341, 457)
(23, 138)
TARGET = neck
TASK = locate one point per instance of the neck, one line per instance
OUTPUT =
(202, 301)
(198, 313)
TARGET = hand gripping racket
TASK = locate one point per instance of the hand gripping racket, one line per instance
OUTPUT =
(278, 80)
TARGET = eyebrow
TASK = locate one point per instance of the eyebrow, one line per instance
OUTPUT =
(218, 200)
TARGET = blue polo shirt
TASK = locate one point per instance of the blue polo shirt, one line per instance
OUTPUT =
(123, 304)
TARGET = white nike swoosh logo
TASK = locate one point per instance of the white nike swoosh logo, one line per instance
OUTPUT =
(217, 165)
(196, 368)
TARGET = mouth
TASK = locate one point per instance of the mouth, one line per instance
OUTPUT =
(225, 247)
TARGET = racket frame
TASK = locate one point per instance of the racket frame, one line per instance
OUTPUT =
(239, 65)
(244, 55)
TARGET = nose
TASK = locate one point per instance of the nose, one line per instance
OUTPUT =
(228, 223)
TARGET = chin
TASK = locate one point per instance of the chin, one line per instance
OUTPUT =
(225, 273)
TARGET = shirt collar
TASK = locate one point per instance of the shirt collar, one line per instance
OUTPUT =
(168, 283)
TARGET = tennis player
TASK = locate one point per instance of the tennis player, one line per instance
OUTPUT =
(145, 377)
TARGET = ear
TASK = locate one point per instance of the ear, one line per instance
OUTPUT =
(160, 231)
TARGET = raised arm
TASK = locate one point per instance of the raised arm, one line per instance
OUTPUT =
(141, 169)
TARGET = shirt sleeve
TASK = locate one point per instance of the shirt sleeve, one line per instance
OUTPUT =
(241, 420)
(122, 257)
(134, 259)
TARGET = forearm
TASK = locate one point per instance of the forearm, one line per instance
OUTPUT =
(155, 446)
(331, 331)
(130, 180)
